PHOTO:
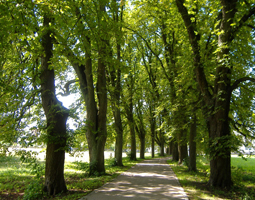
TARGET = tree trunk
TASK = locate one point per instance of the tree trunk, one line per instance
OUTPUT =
(142, 147)
(141, 133)
(182, 145)
(116, 82)
(162, 149)
(119, 137)
(183, 152)
(130, 118)
(140, 128)
(220, 152)
(192, 144)
(219, 129)
(171, 143)
(152, 146)
(96, 118)
(175, 151)
(152, 126)
(56, 116)
(133, 140)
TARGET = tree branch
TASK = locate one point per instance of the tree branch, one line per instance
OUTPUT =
(243, 20)
(152, 51)
(194, 39)
(251, 26)
(67, 92)
(237, 82)
(238, 130)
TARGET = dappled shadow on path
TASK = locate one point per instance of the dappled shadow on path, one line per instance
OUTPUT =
(151, 179)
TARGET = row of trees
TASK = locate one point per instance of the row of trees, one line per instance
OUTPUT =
(173, 71)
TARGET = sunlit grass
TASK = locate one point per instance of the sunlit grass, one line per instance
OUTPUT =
(15, 176)
(195, 183)
(247, 164)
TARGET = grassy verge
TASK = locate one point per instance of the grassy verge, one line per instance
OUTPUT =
(17, 182)
(195, 183)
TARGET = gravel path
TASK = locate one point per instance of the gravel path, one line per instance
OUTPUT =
(150, 179)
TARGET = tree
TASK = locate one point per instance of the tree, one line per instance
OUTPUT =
(91, 71)
(231, 18)
(56, 116)
(192, 143)
(115, 81)
(33, 42)
(128, 106)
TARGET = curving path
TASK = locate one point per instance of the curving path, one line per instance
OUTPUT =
(150, 179)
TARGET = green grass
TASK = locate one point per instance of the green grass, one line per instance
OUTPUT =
(248, 164)
(195, 183)
(16, 177)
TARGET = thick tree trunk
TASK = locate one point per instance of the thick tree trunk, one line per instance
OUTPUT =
(56, 116)
(171, 143)
(142, 147)
(192, 144)
(133, 140)
(183, 152)
(162, 149)
(219, 129)
(96, 118)
(182, 145)
(175, 151)
(161, 142)
(55, 153)
(220, 164)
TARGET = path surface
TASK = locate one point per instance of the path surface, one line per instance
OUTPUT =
(150, 179)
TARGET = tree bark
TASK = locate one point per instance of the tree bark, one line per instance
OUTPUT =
(175, 151)
(152, 128)
(192, 144)
(130, 118)
(141, 133)
(119, 137)
(183, 152)
(132, 137)
(162, 147)
(142, 147)
(115, 82)
(117, 115)
(171, 147)
(56, 117)
(153, 145)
